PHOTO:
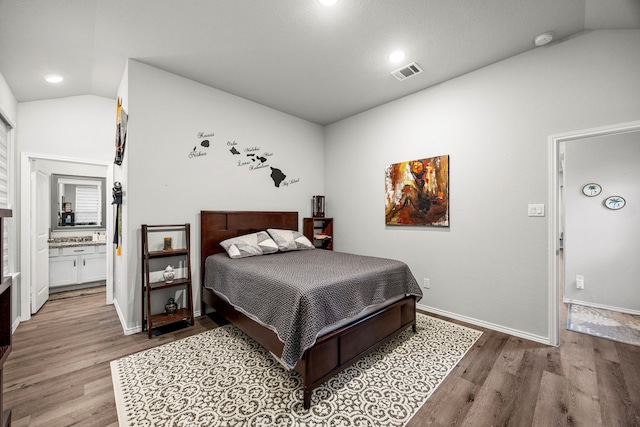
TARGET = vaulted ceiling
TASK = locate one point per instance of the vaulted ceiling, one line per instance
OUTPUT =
(319, 63)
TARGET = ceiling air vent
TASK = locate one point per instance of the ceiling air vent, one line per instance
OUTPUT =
(407, 71)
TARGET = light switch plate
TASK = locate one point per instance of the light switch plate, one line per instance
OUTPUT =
(536, 209)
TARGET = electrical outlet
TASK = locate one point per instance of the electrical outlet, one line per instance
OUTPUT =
(426, 283)
(579, 281)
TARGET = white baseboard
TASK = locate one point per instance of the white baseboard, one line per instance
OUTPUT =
(125, 329)
(603, 306)
(483, 324)
(16, 290)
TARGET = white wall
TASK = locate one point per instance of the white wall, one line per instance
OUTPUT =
(490, 266)
(167, 184)
(123, 293)
(8, 103)
(81, 127)
(601, 244)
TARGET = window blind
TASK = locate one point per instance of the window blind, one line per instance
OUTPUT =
(88, 205)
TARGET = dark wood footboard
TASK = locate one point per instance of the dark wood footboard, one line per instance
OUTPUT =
(338, 350)
(334, 352)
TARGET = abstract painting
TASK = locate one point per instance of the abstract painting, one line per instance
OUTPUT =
(417, 192)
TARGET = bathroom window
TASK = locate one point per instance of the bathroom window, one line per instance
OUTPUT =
(88, 205)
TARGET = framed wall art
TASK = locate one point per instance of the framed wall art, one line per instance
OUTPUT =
(417, 192)
(592, 189)
(615, 202)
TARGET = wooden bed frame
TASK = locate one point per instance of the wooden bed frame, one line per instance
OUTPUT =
(332, 352)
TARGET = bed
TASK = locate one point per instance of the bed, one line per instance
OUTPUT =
(337, 346)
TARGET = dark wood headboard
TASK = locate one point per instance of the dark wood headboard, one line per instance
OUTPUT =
(216, 226)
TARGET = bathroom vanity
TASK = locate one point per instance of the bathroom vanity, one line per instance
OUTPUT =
(75, 261)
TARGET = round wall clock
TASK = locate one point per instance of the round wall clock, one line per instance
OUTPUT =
(615, 202)
(591, 189)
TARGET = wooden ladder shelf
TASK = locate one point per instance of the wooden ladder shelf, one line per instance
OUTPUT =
(152, 320)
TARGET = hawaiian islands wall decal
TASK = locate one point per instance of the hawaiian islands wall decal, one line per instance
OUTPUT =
(277, 176)
(204, 143)
(254, 158)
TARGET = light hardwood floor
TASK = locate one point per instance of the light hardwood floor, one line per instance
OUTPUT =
(58, 374)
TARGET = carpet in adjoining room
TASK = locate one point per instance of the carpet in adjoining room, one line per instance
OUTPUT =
(223, 377)
(613, 325)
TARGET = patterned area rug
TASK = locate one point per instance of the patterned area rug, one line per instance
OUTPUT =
(222, 377)
(603, 323)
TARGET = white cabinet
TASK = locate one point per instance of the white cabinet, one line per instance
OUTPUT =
(93, 268)
(77, 264)
(63, 270)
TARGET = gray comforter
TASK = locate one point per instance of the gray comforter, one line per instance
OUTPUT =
(297, 294)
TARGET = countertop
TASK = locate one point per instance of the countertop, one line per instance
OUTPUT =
(67, 242)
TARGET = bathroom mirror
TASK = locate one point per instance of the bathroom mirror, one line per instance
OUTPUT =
(78, 202)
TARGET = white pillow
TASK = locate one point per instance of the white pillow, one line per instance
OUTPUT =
(289, 240)
(249, 245)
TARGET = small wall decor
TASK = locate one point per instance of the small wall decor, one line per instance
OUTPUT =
(417, 192)
(591, 189)
(615, 202)
(121, 132)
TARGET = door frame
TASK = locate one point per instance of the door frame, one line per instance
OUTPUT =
(25, 225)
(556, 208)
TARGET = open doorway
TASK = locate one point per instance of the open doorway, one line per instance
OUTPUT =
(561, 237)
(37, 211)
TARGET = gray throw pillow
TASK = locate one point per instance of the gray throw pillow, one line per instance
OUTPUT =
(289, 240)
(247, 245)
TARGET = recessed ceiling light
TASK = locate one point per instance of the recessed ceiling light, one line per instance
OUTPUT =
(328, 2)
(397, 56)
(543, 38)
(54, 78)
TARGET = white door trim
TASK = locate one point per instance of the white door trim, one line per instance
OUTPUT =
(25, 225)
(555, 209)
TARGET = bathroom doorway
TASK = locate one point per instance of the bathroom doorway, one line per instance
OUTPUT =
(47, 165)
